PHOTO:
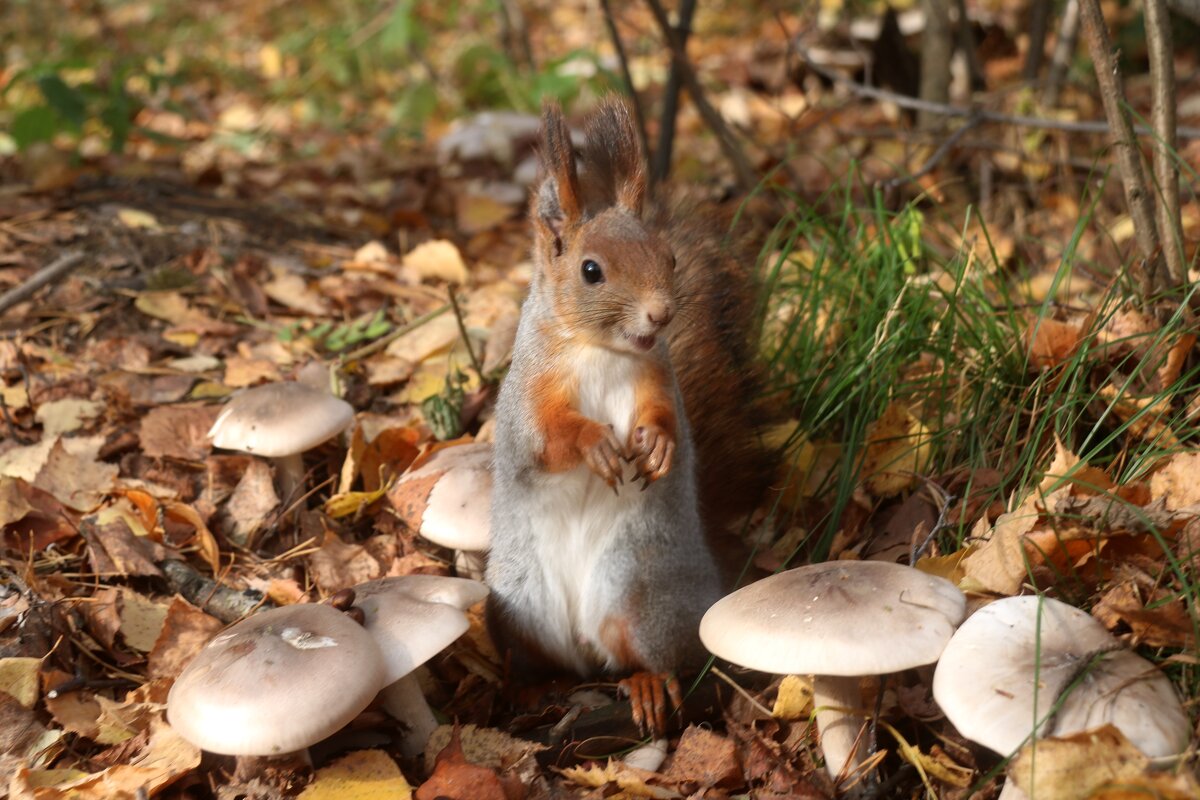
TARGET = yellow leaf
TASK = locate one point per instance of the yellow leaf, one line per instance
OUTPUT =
(346, 504)
(141, 620)
(1075, 767)
(898, 450)
(362, 775)
(794, 700)
(630, 780)
(167, 306)
(436, 260)
(205, 542)
(270, 61)
(19, 679)
(136, 218)
(948, 566)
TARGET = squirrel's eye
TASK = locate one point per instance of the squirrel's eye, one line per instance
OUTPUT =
(592, 272)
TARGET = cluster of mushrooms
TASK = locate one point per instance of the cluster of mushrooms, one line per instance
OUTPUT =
(1017, 669)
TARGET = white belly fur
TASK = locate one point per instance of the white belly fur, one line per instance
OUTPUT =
(583, 515)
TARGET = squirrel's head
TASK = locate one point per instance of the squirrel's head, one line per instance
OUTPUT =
(609, 277)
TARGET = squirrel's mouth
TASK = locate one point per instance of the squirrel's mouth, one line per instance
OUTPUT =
(643, 343)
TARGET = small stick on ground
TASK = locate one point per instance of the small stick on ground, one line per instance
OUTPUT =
(43, 277)
(224, 603)
(1129, 159)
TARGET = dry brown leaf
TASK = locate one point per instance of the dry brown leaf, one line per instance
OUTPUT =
(141, 620)
(705, 758)
(19, 679)
(338, 565)
(67, 415)
(435, 336)
(114, 550)
(1050, 342)
(166, 758)
(627, 781)
(178, 431)
(487, 747)
(24, 742)
(1147, 417)
(241, 371)
(251, 504)
(1165, 624)
(456, 778)
(898, 449)
(293, 292)
(184, 631)
(436, 260)
(1080, 766)
(1178, 480)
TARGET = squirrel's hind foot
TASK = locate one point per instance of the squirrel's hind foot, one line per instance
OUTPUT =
(648, 693)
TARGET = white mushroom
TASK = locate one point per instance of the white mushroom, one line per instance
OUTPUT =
(281, 421)
(448, 501)
(837, 621)
(276, 682)
(413, 618)
(1005, 672)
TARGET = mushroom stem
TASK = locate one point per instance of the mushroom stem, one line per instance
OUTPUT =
(290, 471)
(405, 701)
(839, 731)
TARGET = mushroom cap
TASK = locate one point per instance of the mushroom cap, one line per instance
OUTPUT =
(986, 679)
(276, 682)
(1127, 691)
(414, 617)
(842, 618)
(279, 419)
(448, 499)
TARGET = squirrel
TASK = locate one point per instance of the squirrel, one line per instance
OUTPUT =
(625, 429)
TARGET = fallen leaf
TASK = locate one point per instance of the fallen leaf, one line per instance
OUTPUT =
(1165, 624)
(241, 372)
(361, 775)
(251, 504)
(435, 336)
(141, 620)
(794, 699)
(185, 629)
(456, 778)
(115, 551)
(67, 415)
(338, 565)
(1050, 342)
(137, 219)
(486, 747)
(630, 780)
(438, 259)
(178, 431)
(898, 448)
(706, 758)
(1178, 480)
(19, 679)
(293, 292)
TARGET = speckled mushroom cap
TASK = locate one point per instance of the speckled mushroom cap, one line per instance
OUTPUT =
(279, 419)
(842, 618)
(277, 682)
(414, 617)
(986, 679)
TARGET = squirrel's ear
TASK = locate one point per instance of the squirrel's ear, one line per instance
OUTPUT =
(613, 154)
(558, 207)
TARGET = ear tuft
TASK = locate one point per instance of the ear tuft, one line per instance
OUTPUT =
(557, 201)
(612, 155)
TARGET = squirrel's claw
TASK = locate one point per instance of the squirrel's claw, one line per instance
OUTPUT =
(654, 451)
(648, 693)
(603, 457)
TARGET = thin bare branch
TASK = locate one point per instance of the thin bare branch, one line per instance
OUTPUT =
(916, 104)
(639, 116)
(1039, 24)
(1125, 146)
(46, 275)
(1064, 48)
(747, 178)
(1162, 115)
(661, 166)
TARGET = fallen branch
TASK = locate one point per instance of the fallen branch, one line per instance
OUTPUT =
(916, 104)
(44, 276)
(222, 602)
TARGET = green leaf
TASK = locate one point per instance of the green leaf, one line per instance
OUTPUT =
(62, 98)
(36, 124)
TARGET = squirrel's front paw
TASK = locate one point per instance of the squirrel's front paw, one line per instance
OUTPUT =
(653, 449)
(601, 451)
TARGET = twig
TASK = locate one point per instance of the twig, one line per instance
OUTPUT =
(1129, 158)
(462, 330)
(935, 158)
(1039, 23)
(661, 166)
(916, 104)
(46, 275)
(224, 603)
(384, 341)
(1064, 48)
(639, 116)
(766, 712)
(747, 178)
(1162, 115)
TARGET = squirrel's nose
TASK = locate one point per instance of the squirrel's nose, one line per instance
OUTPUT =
(659, 313)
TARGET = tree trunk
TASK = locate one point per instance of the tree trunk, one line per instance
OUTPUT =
(937, 46)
